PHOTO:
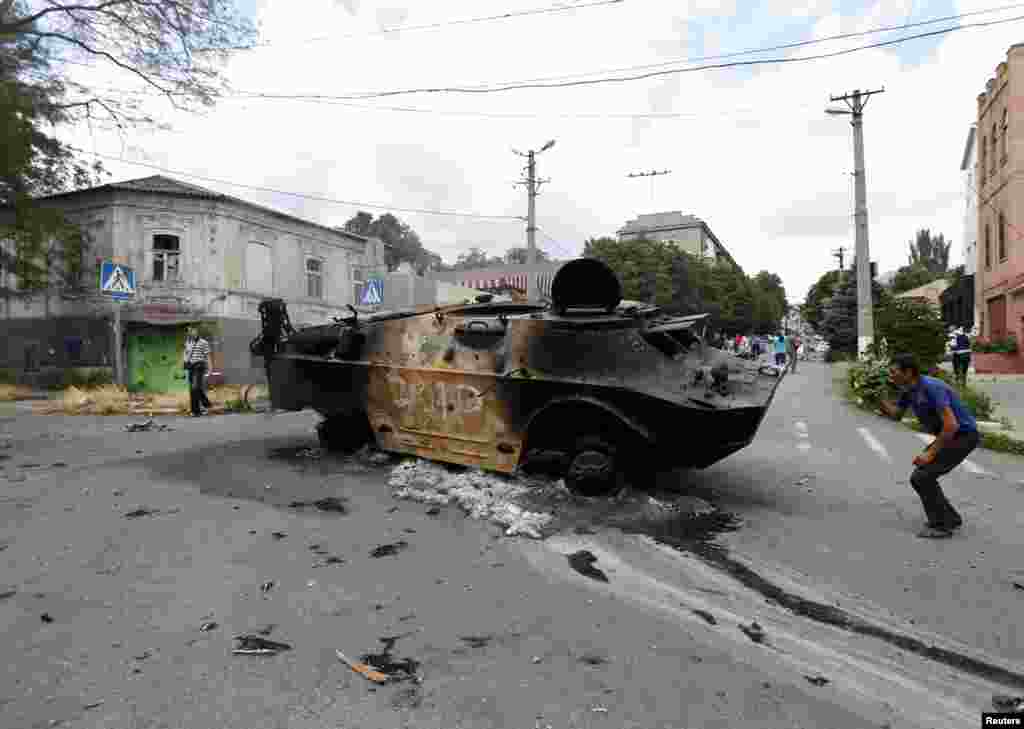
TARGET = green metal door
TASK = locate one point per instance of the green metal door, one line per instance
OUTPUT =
(154, 361)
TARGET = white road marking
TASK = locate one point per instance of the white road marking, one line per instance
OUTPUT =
(874, 445)
(801, 429)
(969, 466)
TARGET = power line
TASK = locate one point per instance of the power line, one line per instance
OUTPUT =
(517, 86)
(329, 99)
(431, 26)
(781, 47)
(318, 198)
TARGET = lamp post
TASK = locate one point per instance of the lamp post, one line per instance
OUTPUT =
(532, 185)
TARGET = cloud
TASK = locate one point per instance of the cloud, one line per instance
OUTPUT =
(752, 152)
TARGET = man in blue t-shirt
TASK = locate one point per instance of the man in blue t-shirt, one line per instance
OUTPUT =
(956, 435)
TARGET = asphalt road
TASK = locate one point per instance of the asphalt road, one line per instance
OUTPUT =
(504, 632)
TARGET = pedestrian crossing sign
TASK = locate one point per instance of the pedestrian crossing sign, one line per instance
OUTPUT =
(117, 281)
(373, 294)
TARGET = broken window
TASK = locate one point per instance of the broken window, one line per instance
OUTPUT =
(166, 258)
(314, 278)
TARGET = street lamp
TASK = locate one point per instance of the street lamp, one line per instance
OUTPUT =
(548, 145)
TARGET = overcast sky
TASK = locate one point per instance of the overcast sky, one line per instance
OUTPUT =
(750, 149)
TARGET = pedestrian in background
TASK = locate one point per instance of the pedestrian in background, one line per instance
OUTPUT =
(961, 357)
(793, 344)
(197, 356)
(956, 434)
(780, 351)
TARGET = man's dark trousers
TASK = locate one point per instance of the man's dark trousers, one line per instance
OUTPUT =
(925, 480)
(961, 363)
(197, 387)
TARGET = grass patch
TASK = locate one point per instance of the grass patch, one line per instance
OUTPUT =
(116, 400)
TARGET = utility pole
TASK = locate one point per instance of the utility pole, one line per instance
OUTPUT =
(865, 320)
(532, 186)
(652, 174)
(839, 254)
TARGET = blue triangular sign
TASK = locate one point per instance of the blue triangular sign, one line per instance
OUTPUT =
(372, 294)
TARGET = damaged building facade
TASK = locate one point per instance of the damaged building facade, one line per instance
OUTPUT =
(199, 256)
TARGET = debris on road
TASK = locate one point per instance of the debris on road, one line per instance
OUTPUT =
(364, 670)
(708, 617)
(535, 660)
(255, 645)
(267, 586)
(476, 641)
(599, 710)
(481, 495)
(8, 593)
(93, 705)
(818, 680)
(753, 631)
(433, 511)
(330, 503)
(583, 562)
(46, 618)
(278, 535)
(592, 659)
(207, 627)
(142, 511)
(147, 426)
(1008, 703)
(387, 550)
(329, 560)
(1019, 585)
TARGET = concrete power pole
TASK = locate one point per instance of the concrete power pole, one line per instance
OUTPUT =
(865, 319)
(532, 186)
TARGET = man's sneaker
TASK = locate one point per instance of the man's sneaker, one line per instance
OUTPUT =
(932, 532)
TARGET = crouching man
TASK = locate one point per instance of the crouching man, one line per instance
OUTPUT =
(942, 414)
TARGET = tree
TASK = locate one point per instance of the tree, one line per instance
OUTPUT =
(910, 325)
(519, 256)
(769, 302)
(931, 252)
(644, 267)
(839, 324)
(174, 47)
(813, 310)
(404, 242)
(912, 276)
(475, 257)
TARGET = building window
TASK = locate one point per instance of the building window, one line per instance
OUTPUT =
(259, 268)
(314, 278)
(988, 248)
(1002, 237)
(984, 161)
(994, 155)
(358, 281)
(1006, 124)
(166, 258)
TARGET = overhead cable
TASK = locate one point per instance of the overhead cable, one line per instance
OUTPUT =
(636, 77)
(308, 196)
(428, 26)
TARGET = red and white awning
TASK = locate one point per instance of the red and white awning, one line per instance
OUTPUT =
(515, 282)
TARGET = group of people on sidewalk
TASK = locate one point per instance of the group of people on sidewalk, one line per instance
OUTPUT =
(784, 349)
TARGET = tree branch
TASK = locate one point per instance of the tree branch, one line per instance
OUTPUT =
(31, 19)
(104, 54)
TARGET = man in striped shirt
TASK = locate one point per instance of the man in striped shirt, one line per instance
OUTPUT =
(197, 356)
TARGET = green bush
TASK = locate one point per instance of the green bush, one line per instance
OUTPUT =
(1007, 345)
(237, 406)
(867, 384)
(914, 327)
(8, 376)
(835, 355)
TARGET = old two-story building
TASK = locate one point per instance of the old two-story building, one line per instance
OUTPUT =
(199, 256)
(688, 232)
(999, 281)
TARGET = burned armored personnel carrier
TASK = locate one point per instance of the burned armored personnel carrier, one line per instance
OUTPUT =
(590, 387)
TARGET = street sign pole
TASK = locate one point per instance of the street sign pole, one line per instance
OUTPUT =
(118, 361)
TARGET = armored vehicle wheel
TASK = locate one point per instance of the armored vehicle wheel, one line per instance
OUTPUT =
(595, 467)
(344, 433)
